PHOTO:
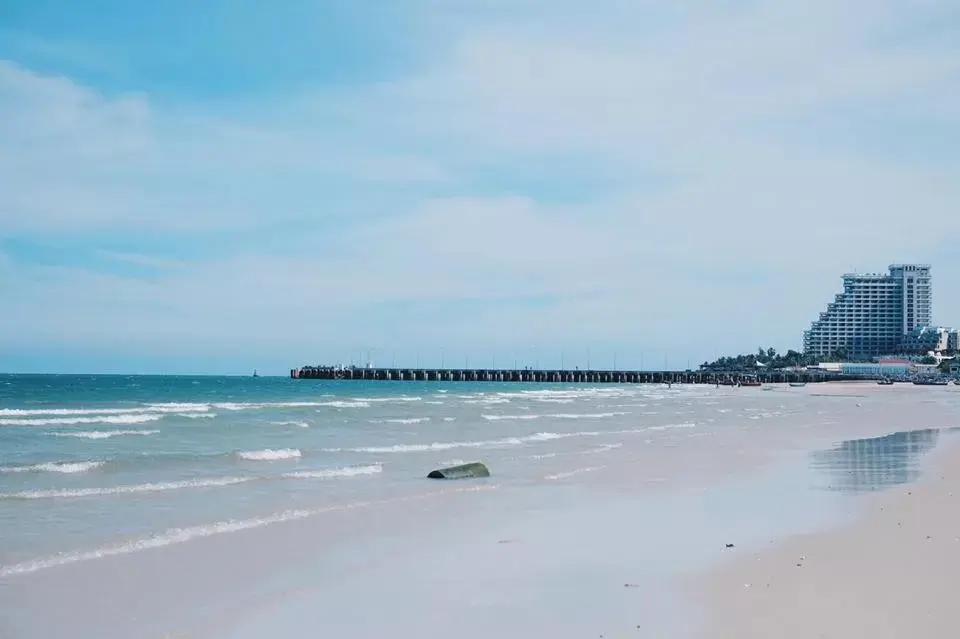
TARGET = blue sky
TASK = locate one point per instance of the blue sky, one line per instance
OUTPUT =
(217, 186)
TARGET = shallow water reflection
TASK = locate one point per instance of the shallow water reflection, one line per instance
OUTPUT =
(876, 463)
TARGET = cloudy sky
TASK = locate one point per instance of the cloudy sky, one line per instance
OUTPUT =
(213, 185)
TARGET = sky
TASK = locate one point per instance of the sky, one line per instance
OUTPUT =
(213, 186)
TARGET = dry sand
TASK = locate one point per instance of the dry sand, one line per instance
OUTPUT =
(891, 574)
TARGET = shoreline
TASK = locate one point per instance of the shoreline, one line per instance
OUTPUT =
(584, 534)
(887, 574)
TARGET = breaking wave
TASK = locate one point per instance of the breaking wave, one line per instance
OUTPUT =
(490, 443)
(68, 468)
(124, 419)
(270, 454)
(188, 484)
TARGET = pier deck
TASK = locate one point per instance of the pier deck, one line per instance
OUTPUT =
(555, 376)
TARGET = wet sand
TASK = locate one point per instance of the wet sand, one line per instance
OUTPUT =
(890, 574)
(593, 542)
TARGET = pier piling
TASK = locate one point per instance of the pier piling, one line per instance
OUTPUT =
(564, 376)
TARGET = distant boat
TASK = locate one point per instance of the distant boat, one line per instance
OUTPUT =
(255, 373)
(798, 384)
(930, 382)
(886, 381)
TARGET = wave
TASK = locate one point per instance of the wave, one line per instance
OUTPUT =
(147, 408)
(672, 426)
(553, 416)
(436, 446)
(104, 434)
(401, 420)
(398, 398)
(270, 454)
(68, 468)
(291, 423)
(94, 419)
(576, 471)
(187, 409)
(131, 489)
(181, 535)
(346, 404)
(580, 393)
(348, 471)
(215, 482)
(178, 407)
(587, 415)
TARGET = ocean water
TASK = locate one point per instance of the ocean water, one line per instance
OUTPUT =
(138, 506)
(85, 460)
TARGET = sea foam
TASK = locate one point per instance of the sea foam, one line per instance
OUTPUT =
(123, 419)
(103, 434)
(68, 468)
(270, 454)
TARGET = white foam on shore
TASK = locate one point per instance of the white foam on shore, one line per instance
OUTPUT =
(325, 473)
(69, 468)
(270, 454)
(602, 449)
(182, 535)
(490, 443)
(672, 426)
(571, 473)
(103, 434)
(131, 489)
(125, 419)
(188, 484)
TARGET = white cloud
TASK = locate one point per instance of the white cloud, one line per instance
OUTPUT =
(750, 218)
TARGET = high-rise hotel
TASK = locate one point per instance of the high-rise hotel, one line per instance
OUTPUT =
(873, 314)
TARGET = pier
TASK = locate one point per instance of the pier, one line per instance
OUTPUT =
(558, 376)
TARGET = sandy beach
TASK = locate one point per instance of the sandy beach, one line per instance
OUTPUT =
(606, 517)
(888, 575)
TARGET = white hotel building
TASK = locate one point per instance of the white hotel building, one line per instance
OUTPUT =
(873, 314)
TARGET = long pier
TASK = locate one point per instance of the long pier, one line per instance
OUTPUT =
(553, 376)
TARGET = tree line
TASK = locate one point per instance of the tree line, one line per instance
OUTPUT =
(769, 358)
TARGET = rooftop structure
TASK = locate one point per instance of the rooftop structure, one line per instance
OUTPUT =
(873, 313)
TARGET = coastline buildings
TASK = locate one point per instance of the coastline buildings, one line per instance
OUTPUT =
(876, 314)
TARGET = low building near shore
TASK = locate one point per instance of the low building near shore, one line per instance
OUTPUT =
(885, 368)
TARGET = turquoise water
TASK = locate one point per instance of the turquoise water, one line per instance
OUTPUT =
(85, 460)
(208, 493)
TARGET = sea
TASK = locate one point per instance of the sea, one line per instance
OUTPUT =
(239, 506)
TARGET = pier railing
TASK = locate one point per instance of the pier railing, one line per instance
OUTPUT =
(575, 376)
